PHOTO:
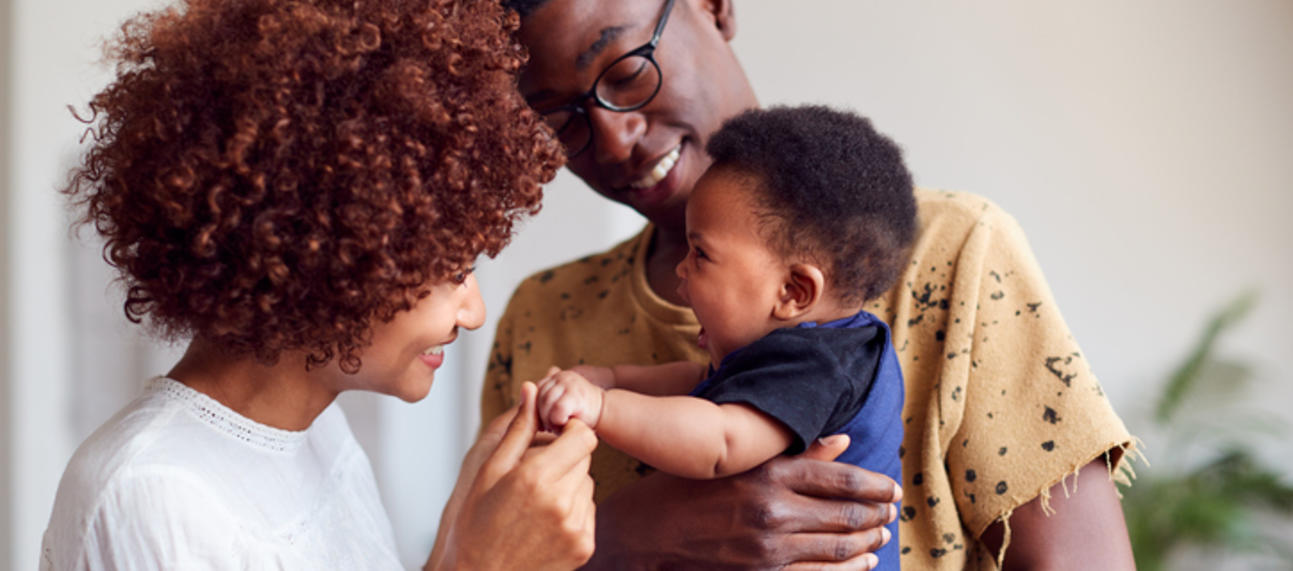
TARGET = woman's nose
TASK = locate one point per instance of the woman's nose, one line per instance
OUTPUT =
(471, 311)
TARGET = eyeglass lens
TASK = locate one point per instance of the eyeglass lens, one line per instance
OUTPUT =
(628, 84)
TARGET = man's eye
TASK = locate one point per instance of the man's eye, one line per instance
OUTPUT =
(628, 73)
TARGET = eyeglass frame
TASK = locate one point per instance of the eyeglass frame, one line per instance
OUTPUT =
(580, 103)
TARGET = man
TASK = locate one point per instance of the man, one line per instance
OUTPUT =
(1000, 405)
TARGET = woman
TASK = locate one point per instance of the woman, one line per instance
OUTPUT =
(298, 189)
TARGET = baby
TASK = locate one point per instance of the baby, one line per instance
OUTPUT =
(805, 214)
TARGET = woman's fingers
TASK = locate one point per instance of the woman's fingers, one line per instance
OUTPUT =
(494, 431)
(534, 501)
(586, 488)
(573, 484)
(514, 443)
(586, 516)
(569, 451)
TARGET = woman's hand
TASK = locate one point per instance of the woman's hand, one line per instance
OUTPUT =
(515, 507)
(789, 510)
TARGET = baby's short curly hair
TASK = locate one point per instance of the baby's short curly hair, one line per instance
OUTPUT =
(275, 175)
(829, 187)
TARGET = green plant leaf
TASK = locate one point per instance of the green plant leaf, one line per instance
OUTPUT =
(1185, 377)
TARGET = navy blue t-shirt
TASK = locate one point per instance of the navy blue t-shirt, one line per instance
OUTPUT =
(821, 379)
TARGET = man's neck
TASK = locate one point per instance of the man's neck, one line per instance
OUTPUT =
(668, 248)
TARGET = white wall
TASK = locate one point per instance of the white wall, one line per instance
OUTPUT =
(1146, 147)
(6, 491)
(44, 73)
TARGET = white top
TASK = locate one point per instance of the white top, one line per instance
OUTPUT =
(176, 480)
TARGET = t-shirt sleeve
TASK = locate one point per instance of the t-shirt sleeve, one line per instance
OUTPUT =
(151, 519)
(1033, 411)
(801, 384)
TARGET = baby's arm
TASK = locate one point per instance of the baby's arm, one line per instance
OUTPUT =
(685, 436)
(690, 436)
(676, 378)
(562, 396)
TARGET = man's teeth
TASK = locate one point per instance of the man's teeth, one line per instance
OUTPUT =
(660, 170)
(438, 349)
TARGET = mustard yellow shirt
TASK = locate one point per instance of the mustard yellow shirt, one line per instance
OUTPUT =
(1000, 403)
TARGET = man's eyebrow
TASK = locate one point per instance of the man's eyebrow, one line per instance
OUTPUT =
(608, 35)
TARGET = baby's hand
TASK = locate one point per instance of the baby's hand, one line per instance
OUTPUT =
(564, 395)
(603, 377)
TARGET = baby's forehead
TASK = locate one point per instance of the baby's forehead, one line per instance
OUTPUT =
(741, 193)
(731, 193)
(738, 180)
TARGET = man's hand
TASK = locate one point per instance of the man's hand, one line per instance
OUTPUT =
(799, 512)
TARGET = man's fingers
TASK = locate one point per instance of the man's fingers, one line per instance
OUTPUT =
(845, 481)
(837, 550)
(515, 441)
(834, 515)
(827, 448)
(864, 562)
(834, 480)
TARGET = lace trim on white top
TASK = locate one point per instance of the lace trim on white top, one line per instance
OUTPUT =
(225, 420)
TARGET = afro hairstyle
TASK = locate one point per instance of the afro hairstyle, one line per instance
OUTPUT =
(829, 188)
(282, 175)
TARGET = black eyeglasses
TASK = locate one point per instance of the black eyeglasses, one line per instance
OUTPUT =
(627, 84)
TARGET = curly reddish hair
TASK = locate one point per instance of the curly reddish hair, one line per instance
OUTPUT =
(275, 175)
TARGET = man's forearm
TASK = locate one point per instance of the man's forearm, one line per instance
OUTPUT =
(791, 508)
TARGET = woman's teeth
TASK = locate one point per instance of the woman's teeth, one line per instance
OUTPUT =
(660, 170)
(438, 349)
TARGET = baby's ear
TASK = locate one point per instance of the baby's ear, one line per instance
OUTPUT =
(801, 289)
